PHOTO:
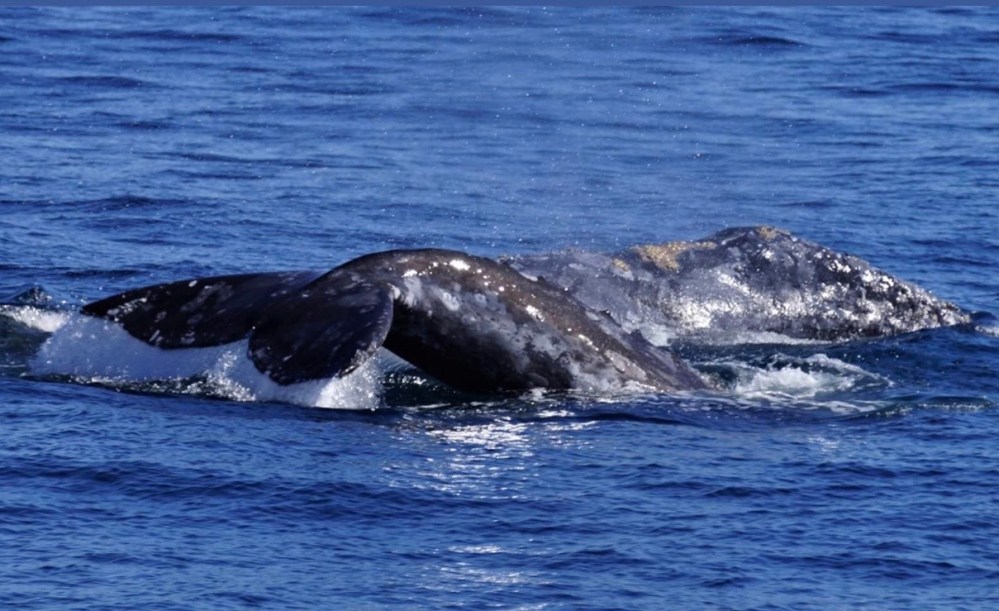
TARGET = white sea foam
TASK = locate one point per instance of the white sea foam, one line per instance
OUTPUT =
(787, 378)
(988, 330)
(658, 335)
(97, 350)
(665, 335)
(46, 321)
(765, 337)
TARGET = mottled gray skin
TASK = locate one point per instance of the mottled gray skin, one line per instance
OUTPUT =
(744, 280)
(471, 322)
(480, 325)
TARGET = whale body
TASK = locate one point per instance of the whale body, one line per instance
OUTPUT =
(744, 280)
(570, 320)
(471, 322)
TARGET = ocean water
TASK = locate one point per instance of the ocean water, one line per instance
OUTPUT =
(146, 145)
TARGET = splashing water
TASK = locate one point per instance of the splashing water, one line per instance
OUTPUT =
(787, 378)
(96, 350)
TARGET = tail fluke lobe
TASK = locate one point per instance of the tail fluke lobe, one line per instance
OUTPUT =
(301, 326)
(325, 330)
(199, 312)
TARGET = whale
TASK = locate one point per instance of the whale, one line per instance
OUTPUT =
(570, 320)
(471, 322)
(744, 282)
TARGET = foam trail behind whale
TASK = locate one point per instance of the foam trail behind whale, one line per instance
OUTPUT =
(98, 350)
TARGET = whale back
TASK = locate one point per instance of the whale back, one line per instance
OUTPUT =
(767, 279)
(479, 325)
(741, 281)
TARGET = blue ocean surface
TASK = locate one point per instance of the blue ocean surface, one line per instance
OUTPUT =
(144, 145)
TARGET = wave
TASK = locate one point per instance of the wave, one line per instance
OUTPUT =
(742, 38)
(170, 35)
(760, 40)
(105, 81)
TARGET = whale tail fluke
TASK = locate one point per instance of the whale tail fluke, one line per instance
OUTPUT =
(200, 312)
(325, 330)
(300, 326)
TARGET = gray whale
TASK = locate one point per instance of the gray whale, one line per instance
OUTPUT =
(469, 321)
(566, 320)
(745, 280)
